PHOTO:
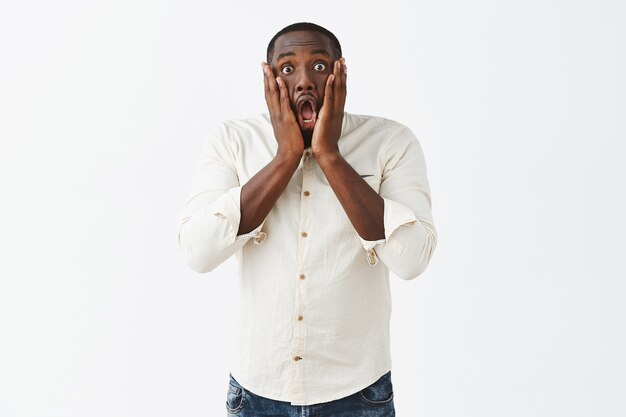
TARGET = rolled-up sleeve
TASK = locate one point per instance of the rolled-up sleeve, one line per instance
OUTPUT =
(410, 235)
(208, 225)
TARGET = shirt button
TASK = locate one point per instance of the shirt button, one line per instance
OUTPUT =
(371, 257)
(306, 193)
(300, 317)
(296, 358)
(304, 234)
(260, 238)
(302, 276)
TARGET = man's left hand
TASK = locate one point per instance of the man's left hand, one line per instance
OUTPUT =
(329, 122)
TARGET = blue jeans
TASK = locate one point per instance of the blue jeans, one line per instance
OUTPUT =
(373, 401)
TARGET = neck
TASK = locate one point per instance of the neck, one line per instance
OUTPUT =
(307, 137)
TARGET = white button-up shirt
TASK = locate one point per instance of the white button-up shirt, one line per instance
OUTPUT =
(315, 303)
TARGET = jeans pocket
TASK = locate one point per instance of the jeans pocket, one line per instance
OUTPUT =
(235, 396)
(379, 393)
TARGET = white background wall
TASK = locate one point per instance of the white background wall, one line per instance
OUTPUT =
(519, 107)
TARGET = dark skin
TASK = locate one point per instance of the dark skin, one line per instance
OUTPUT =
(304, 63)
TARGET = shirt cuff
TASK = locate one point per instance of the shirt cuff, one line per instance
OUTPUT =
(257, 234)
(228, 207)
(395, 215)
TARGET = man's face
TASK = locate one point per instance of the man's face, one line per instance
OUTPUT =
(304, 60)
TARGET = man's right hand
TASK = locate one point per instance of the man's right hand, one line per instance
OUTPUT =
(260, 193)
(286, 129)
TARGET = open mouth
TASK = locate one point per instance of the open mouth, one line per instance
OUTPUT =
(307, 113)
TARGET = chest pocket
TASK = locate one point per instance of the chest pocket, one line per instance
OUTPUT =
(372, 179)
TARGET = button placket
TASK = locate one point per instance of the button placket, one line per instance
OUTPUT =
(303, 262)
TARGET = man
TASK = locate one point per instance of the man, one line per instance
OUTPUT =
(318, 205)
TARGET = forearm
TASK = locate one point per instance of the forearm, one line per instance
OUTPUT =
(363, 205)
(260, 193)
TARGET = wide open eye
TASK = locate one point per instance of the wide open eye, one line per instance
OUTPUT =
(319, 66)
(287, 69)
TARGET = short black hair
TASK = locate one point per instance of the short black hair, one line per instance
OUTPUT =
(306, 26)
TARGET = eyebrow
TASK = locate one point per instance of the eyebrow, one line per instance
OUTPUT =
(291, 53)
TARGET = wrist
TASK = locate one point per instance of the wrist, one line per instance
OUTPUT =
(328, 157)
(288, 156)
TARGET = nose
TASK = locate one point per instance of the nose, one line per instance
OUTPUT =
(305, 81)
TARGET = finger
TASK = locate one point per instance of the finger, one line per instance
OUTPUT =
(266, 85)
(328, 94)
(284, 95)
(271, 96)
(271, 81)
(340, 88)
(338, 83)
(337, 76)
(344, 78)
